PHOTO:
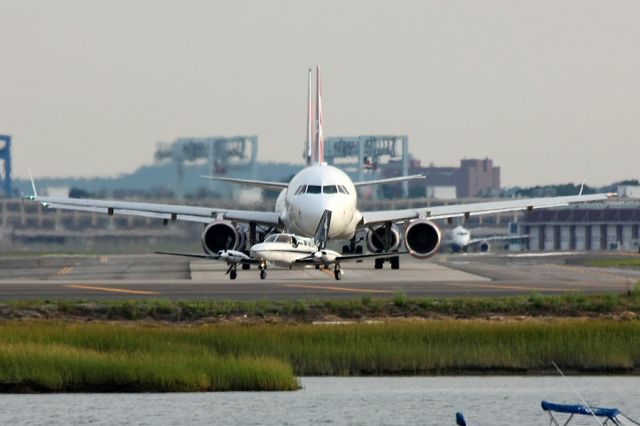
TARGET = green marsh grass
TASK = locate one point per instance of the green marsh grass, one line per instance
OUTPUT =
(48, 356)
(117, 358)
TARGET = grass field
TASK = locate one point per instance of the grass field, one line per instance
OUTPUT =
(50, 356)
(614, 262)
(563, 305)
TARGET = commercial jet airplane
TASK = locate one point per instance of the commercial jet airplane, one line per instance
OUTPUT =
(288, 251)
(459, 239)
(302, 202)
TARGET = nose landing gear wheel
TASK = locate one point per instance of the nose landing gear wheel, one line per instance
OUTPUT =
(263, 274)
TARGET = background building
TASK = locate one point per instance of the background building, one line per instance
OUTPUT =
(610, 226)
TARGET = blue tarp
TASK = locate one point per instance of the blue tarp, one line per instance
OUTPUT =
(580, 409)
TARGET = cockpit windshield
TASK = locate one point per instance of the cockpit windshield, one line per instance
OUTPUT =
(283, 238)
(317, 189)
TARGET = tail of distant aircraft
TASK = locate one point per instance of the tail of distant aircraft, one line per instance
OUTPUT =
(319, 137)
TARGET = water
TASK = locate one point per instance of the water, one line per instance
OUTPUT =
(335, 401)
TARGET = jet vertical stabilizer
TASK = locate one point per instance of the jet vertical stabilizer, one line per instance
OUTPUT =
(319, 136)
(308, 154)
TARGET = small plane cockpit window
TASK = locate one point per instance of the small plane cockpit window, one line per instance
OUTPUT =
(330, 189)
(270, 239)
(314, 189)
(282, 238)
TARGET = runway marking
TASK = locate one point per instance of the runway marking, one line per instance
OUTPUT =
(328, 272)
(587, 271)
(346, 289)
(104, 259)
(64, 271)
(110, 289)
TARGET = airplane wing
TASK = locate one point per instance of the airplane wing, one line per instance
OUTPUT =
(167, 212)
(312, 260)
(245, 260)
(497, 238)
(476, 209)
(388, 180)
(277, 186)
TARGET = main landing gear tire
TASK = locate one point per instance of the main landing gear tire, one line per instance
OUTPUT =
(263, 274)
(337, 274)
(395, 262)
(379, 263)
(233, 274)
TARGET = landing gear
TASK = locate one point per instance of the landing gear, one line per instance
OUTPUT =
(263, 272)
(337, 272)
(395, 262)
(233, 273)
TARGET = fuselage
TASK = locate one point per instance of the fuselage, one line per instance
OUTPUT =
(284, 249)
(460, 236)
(312, 191)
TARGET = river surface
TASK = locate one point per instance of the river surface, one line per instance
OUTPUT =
(336, 401)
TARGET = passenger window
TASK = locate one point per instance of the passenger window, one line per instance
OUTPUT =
(314, 189)
(330, 189)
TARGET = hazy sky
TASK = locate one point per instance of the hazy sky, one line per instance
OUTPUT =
(549, 89)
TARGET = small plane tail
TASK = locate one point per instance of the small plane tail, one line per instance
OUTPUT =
(322, 232)
(319, 137)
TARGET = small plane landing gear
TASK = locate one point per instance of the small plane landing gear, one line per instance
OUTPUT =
(263, 274)
(337, 273)
(379, 263)
(233, 274)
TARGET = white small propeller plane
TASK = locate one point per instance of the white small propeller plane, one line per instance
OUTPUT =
(302, 202)
(288, 251)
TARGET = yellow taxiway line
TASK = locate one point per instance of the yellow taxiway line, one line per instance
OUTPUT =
(110, 289)
(64, 271)
(345, 289)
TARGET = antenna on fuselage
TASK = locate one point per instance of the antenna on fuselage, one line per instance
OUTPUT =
(308, 154)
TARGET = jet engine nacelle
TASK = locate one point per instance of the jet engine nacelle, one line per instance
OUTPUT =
(222, 235)
(484, 246)
(375, 239)
(422, 238)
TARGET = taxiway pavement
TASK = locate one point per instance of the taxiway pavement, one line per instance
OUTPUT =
(156, 276)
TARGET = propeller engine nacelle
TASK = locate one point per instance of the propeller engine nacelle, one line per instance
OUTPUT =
(375, 239)
(222, 235)
(422, 238)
